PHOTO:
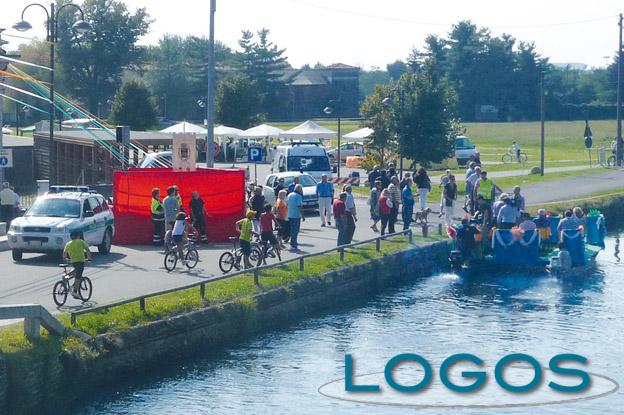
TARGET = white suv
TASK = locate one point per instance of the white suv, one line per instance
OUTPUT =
(46, 226)
(464, 149)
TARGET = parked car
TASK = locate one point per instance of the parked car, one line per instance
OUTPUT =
(47, 224)
(310, 199)
(464, 150)
(156, 160)
(346, 150)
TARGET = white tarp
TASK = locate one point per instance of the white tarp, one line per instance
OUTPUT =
(224, 131)
(185, 127)
(358, 135)
(309, 129)
(261, 131)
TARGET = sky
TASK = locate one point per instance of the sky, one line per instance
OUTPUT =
(369, 33)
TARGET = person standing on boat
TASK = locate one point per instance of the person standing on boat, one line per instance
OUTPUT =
(569, 223)
(466, 242)
(526, 224)
(518, 201)
(579, 214)
(507, 216)
(499, 204)
(486, 187)
(543, 225)
(471, 183)
(449, 196)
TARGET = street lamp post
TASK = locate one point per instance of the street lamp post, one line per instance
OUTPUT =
(210, 111)
(618, 140)
(328, 111)
(79, 26)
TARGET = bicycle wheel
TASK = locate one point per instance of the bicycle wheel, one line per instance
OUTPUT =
(226, 262)
(171, 259)
(506, 158)
(192, 258)
(256, 257)
(277, 253)
(59, 293)
(86, 289)
(523, 158)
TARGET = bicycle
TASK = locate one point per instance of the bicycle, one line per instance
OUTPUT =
(191, 257)
(63, 287)
(267, 249)
(510, 157)
(234, 258)
(193, 236)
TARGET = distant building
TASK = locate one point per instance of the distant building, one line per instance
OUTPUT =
(308, 91)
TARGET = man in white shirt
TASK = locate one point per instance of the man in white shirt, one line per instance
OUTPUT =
(7, 203)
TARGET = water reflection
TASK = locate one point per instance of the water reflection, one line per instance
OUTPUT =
(435, 316)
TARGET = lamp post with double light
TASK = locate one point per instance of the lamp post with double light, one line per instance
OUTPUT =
(80, 27)
(329, 110)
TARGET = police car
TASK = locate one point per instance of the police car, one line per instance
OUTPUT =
(46, 226)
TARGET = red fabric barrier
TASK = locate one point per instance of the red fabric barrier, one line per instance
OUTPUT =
(223, 192)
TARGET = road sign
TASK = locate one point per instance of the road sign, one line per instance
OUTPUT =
(6, 158)
(254, 154)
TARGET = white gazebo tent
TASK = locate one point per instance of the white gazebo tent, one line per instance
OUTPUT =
(358, 135)
(223, 132)
(309, 130)
(261, 131)
(184, 127)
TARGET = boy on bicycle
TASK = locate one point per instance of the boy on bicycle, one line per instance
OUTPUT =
(180, 234)
(267, 219)
(74, 252)
(244, 227)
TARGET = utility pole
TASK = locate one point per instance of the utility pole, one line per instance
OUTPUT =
(210, 112)
(3, 66)
(542, 118)
(618, 140)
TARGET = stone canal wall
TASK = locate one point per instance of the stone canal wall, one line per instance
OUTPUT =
(54, 378)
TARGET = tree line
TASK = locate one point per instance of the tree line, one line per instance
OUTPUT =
(489, 77)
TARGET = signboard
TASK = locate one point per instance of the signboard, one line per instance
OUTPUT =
(254, 154)
(184, 152)
(6, 158)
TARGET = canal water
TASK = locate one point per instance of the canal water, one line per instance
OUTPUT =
(490, 316)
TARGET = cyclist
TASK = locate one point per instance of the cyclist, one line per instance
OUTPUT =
(74, 252)
(180, 234)
(515, 149)
(267, 219)
(244, 227)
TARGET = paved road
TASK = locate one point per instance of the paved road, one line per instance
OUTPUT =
(133, 270)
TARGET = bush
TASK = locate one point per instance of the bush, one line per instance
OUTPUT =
(535, 170)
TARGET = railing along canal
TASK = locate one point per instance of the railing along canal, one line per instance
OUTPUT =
(255, 271)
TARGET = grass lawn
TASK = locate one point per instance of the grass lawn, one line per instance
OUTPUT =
(240, 288)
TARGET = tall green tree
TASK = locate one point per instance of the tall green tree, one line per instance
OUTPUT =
(93, 63)
(134, 106)
(237, 102)
(263, 62)
(422, 106)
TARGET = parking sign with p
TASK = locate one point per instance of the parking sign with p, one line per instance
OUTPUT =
(254, 154)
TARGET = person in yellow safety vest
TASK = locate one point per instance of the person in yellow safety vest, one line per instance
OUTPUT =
(158, 217)
(485, 187)
(177, 196)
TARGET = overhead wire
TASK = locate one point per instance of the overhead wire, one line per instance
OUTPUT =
(441, 24)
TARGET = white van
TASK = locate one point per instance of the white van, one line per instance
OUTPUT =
(308, 157)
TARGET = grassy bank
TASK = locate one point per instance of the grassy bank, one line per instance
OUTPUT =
(240, 288)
